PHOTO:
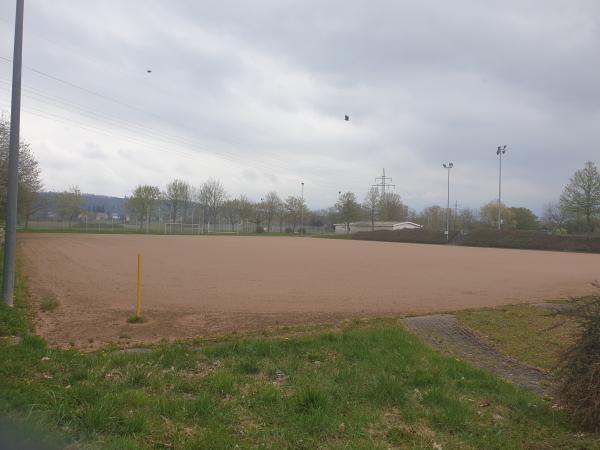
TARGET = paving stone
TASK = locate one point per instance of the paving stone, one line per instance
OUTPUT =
(444, 332)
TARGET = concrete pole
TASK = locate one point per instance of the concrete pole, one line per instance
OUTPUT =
(500, 192)
(448, 209)
(10, 237)
(448, 167)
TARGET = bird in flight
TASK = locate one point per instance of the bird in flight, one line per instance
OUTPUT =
(347, 118)
(148, 71)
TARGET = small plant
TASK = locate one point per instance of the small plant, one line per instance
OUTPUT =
(135, 319)
(580, 366)
(49, 304)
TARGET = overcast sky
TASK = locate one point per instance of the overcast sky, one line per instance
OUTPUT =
(254, 94)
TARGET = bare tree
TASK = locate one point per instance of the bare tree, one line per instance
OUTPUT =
(69, 204)
(391, 207)
(466, 219)
(142, 202)
(295, 208)
(555, 216)
(371, 203)
(581, 197)
(178, 197)
(212, 195)
(271, 206)
(433, 218)
(246, 208)
(231, 210)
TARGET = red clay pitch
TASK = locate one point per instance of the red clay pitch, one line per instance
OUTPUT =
(206, 285)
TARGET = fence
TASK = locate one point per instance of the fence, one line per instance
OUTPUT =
(120, 227)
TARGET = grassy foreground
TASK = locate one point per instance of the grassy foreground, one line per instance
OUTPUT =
(361, 388)
(365, 386)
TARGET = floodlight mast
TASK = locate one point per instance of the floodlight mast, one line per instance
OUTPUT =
(448, 167)
(302, 211)
(500, 151)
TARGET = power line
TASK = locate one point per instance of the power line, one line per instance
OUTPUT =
(280, 164)
(235, 159)
(382, 184)
(146, 130)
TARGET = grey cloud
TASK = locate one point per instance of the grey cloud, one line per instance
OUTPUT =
(265, 85)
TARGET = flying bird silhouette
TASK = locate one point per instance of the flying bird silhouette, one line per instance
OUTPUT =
(148, 71)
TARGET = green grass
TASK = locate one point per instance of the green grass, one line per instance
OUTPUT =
(15, 321)
(363, 387)
(333, 236)
(135, 319)
(49, 304)
(531, 334)
(92, 230)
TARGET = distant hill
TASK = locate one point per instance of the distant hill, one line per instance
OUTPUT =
(92, 202)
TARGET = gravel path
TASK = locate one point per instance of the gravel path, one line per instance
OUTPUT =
(444, 332)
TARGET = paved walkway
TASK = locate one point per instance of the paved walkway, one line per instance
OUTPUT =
(444, 332)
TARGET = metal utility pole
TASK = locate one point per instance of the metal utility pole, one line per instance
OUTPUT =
(448, 167)
(10, 236)
(302, 211)
(501, 151)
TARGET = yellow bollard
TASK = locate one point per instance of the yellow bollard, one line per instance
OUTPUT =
(138, 309)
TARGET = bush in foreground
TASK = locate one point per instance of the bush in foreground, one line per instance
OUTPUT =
(580, 368)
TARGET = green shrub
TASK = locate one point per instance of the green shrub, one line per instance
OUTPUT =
(420, 236)
(49, 304)
(135, 319)
(580, 366)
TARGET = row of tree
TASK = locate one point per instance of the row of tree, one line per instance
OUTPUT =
(180, 202)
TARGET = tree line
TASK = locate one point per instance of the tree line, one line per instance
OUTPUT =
(576, 210)
(209, 203)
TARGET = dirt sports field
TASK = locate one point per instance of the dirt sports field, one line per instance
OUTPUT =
(206, 285)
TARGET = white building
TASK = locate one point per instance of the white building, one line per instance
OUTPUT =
(355, 227)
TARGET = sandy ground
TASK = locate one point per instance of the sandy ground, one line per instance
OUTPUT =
(207, 285)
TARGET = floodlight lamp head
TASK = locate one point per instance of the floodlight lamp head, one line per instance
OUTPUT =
(451, 165)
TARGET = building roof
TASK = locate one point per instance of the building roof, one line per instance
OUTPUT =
(377, 224)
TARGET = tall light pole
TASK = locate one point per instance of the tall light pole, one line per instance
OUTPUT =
(10, 237)
(501, 151)
(448, 167)
(302, 211)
